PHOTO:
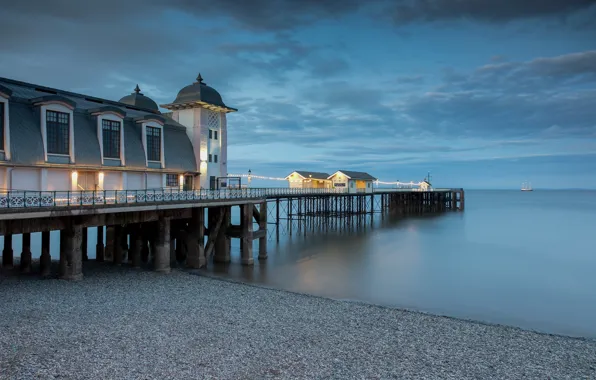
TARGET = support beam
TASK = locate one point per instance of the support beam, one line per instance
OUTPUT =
(263, 228)
(222, 241)
(161, 260)
(45, 260)
(117, 245)
(7, 255)
(247, 229)
(25, 264)
(84, 245)
(99, 247)
(145, 246)
(71, 257)
(109, 248)
(136, 246)
(195, 243)
(216, 218)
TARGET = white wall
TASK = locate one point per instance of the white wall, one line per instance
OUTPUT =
(112, 181)
(4, 179)
(28, 179)
(154, 180)
(135, 181)
(58, 180)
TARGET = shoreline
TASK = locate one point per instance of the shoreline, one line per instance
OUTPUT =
(124, 323)
(196, 272)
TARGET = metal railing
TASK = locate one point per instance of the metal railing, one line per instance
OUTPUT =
(20, 199)
(35, 199)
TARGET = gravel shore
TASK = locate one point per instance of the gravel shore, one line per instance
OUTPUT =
(120, 323)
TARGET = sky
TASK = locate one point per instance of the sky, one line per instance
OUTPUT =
(481, 94)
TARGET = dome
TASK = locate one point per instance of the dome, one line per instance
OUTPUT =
(199, 92)
(139, 100)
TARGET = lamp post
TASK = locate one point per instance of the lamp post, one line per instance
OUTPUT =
(249, 177)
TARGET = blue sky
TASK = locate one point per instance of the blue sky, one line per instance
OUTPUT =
(483, 94)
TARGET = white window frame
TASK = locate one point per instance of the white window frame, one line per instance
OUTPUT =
(113, 117)
(58, 106)
(154, 124)
(6, 147)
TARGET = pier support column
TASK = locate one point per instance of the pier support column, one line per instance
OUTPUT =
(247, 232)
(145, 246)
(71, 257)
(136, 246)
(26, 254)
(263, 227)
(84, 245)
(172, 245)
(7, 255)
(117, 245)
(195, 256)
(109, 246)
(161, 259)
(99, 247)
(222, 241)
(45, 260)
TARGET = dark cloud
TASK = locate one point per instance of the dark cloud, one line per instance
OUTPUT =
(494, 11)
(254, 14)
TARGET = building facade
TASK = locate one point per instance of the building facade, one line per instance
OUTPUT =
(301, 179)
(352, 182)
(54, 140)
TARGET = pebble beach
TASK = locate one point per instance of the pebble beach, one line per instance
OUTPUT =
(119, 323)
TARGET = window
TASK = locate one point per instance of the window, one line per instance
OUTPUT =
(215, 135)
(172, 180)
(58, 132)
(111, 138)
(215, 158)
(210, 134)
(210, 158)
(1, 126)
(153, 144)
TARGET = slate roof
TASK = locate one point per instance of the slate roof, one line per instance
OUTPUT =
(358, 175)
(198, 92)
(26, 140)
(138, 99)
(313, 175)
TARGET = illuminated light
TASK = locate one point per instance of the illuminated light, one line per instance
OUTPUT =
(181, 180)
(101, 176)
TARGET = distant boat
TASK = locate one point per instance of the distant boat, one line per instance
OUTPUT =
(526, 186)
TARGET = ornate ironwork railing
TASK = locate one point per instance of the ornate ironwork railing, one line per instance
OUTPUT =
(20, 199)
(36, 199)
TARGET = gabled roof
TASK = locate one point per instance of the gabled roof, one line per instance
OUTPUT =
(355, 175)
(314, 175)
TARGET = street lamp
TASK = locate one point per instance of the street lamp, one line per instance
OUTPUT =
(249, 177)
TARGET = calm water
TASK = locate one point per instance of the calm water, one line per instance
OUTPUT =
(523, 259)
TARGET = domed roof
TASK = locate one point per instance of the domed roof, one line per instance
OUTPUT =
(137, 99)
(199, 92)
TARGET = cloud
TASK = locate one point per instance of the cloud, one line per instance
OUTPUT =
(511, 98)
(492, 11)
(258, 15)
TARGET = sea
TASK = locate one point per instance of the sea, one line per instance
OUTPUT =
(525, 259)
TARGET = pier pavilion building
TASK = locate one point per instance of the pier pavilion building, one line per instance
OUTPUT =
(301, 179)
(353, 182)
(56, 140)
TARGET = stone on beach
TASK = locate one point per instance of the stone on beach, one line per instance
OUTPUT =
(125, 324)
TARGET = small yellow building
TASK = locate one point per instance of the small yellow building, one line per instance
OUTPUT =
(353, 182)
(301, 179)
(425, 186)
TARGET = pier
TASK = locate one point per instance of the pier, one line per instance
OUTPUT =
(165, 226)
